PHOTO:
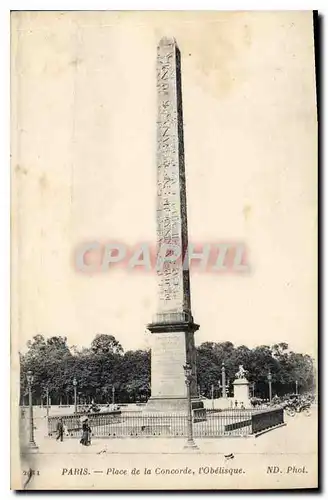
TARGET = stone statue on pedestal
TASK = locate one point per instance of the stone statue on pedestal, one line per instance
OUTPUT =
(241, 389)
(241, 373)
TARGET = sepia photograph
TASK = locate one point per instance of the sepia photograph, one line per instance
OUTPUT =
(164, 172)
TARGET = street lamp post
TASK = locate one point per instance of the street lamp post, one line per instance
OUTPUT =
(113, 395)
(223, 372)
(32, 445)
(227, 389)
(296, 387)
(270, 385)
(75, 394)
(47, 397)
(190, 441)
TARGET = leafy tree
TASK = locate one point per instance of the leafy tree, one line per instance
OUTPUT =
(135, 381)
(104, 365)
(105, 344)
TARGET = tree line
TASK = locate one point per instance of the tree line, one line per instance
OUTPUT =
(104, 372)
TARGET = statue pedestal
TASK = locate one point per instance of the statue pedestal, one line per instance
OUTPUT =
(241, 392)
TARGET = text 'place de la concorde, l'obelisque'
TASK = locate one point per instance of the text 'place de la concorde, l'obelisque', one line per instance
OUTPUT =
(173, 328)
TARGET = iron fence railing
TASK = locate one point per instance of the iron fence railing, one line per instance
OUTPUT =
(139, 424)
(73, 422)
(215, 423)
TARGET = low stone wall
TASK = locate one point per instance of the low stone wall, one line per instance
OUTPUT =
(264, 420)
(237, 425)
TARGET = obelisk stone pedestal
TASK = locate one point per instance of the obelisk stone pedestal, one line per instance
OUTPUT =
(172, 347)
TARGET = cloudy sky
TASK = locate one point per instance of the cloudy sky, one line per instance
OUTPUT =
(84, 169)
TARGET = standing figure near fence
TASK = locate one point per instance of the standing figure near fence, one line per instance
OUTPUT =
(60, 430)
(86, 433)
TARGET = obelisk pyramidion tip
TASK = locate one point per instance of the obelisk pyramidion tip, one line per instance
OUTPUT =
(166, 41)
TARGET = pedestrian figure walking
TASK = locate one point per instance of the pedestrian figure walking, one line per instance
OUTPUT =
(65, 429)
(86, 433)
(60, 430)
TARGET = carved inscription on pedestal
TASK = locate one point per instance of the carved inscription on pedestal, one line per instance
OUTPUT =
(168, 358)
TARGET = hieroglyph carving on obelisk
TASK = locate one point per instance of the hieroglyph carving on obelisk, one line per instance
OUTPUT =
(173, 281)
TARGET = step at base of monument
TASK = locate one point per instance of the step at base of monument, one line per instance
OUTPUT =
(171, 405)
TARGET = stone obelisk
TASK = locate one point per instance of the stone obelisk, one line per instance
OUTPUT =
(172, 342)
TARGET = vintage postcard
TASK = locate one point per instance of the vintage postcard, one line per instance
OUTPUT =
(164, 250)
